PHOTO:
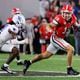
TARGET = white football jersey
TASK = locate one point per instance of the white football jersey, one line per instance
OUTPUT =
(5, 35)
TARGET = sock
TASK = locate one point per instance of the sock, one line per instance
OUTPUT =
(6, 65)
(30, 61)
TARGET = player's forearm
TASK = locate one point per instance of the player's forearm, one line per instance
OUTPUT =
(25, 41)
(53, 24)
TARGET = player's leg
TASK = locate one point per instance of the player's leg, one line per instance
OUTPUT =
(13, 55)
(70, 52)
(37, 58)
(14, 52)
(63, 45)
(48, 53)
(19, 61)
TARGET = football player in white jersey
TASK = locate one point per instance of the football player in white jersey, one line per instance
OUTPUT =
(9, 32)
(14, 19)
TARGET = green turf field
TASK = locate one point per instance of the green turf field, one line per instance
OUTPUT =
(57, 63)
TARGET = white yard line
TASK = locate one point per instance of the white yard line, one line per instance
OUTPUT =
(43, 76)
(47, 71)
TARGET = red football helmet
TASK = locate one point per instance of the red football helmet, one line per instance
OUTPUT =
(67, 8)
(67, 11)
(16, 10)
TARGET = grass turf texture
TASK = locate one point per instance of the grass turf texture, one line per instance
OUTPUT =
(55, 63)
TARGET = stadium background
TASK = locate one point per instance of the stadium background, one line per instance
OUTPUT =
(28, 7)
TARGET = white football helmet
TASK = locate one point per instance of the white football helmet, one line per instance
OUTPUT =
(19, 20)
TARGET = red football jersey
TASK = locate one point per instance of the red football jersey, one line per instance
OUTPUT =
(61, 29)
(9, 20)
(45, 32)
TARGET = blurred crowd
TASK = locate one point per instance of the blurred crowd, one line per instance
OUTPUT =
(37, 30)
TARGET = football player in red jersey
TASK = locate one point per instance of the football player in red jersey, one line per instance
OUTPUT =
(45, 34)
(61, 23)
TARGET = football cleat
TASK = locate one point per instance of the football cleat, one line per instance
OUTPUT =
(26, 66)
(7, 69)
(71, 71)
